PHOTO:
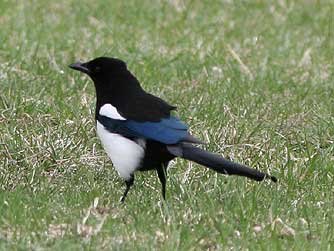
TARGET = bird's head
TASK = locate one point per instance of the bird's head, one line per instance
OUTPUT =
(100, 68)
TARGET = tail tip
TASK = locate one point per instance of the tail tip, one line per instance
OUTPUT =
(273, 178)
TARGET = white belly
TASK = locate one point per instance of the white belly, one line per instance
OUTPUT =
(124, 153)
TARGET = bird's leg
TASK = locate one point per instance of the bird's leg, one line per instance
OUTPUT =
(128, 184)
(162, 174)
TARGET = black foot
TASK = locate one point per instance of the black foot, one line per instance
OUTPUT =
(128, 184)
(162, 174)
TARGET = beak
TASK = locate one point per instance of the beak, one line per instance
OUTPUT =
(80, 67)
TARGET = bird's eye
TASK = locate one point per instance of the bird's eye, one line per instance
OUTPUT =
(97, 69)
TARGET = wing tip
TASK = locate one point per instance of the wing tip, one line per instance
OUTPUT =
(191, 139)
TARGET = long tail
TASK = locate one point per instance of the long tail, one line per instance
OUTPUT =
(217, 163)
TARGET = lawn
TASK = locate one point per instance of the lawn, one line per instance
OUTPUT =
(255, 79)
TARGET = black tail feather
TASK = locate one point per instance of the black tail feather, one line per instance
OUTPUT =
(217, 163)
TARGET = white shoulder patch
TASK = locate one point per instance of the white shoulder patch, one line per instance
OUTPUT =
(111, 112)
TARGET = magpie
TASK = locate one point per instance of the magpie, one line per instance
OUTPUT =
(138, 130)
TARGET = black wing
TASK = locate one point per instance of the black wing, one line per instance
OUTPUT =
(143, 107)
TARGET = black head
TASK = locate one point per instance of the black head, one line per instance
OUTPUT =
(100, 68)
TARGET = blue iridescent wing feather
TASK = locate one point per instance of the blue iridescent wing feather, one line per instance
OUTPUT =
(168, 131)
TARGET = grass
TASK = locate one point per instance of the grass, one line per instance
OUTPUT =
(254, 79)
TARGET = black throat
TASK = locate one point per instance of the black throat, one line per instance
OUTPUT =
(121, 90)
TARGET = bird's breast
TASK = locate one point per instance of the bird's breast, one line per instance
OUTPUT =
(125, 154)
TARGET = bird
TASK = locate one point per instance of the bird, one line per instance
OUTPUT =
(139, 132)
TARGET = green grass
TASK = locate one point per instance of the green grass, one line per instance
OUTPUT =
(254, 79)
